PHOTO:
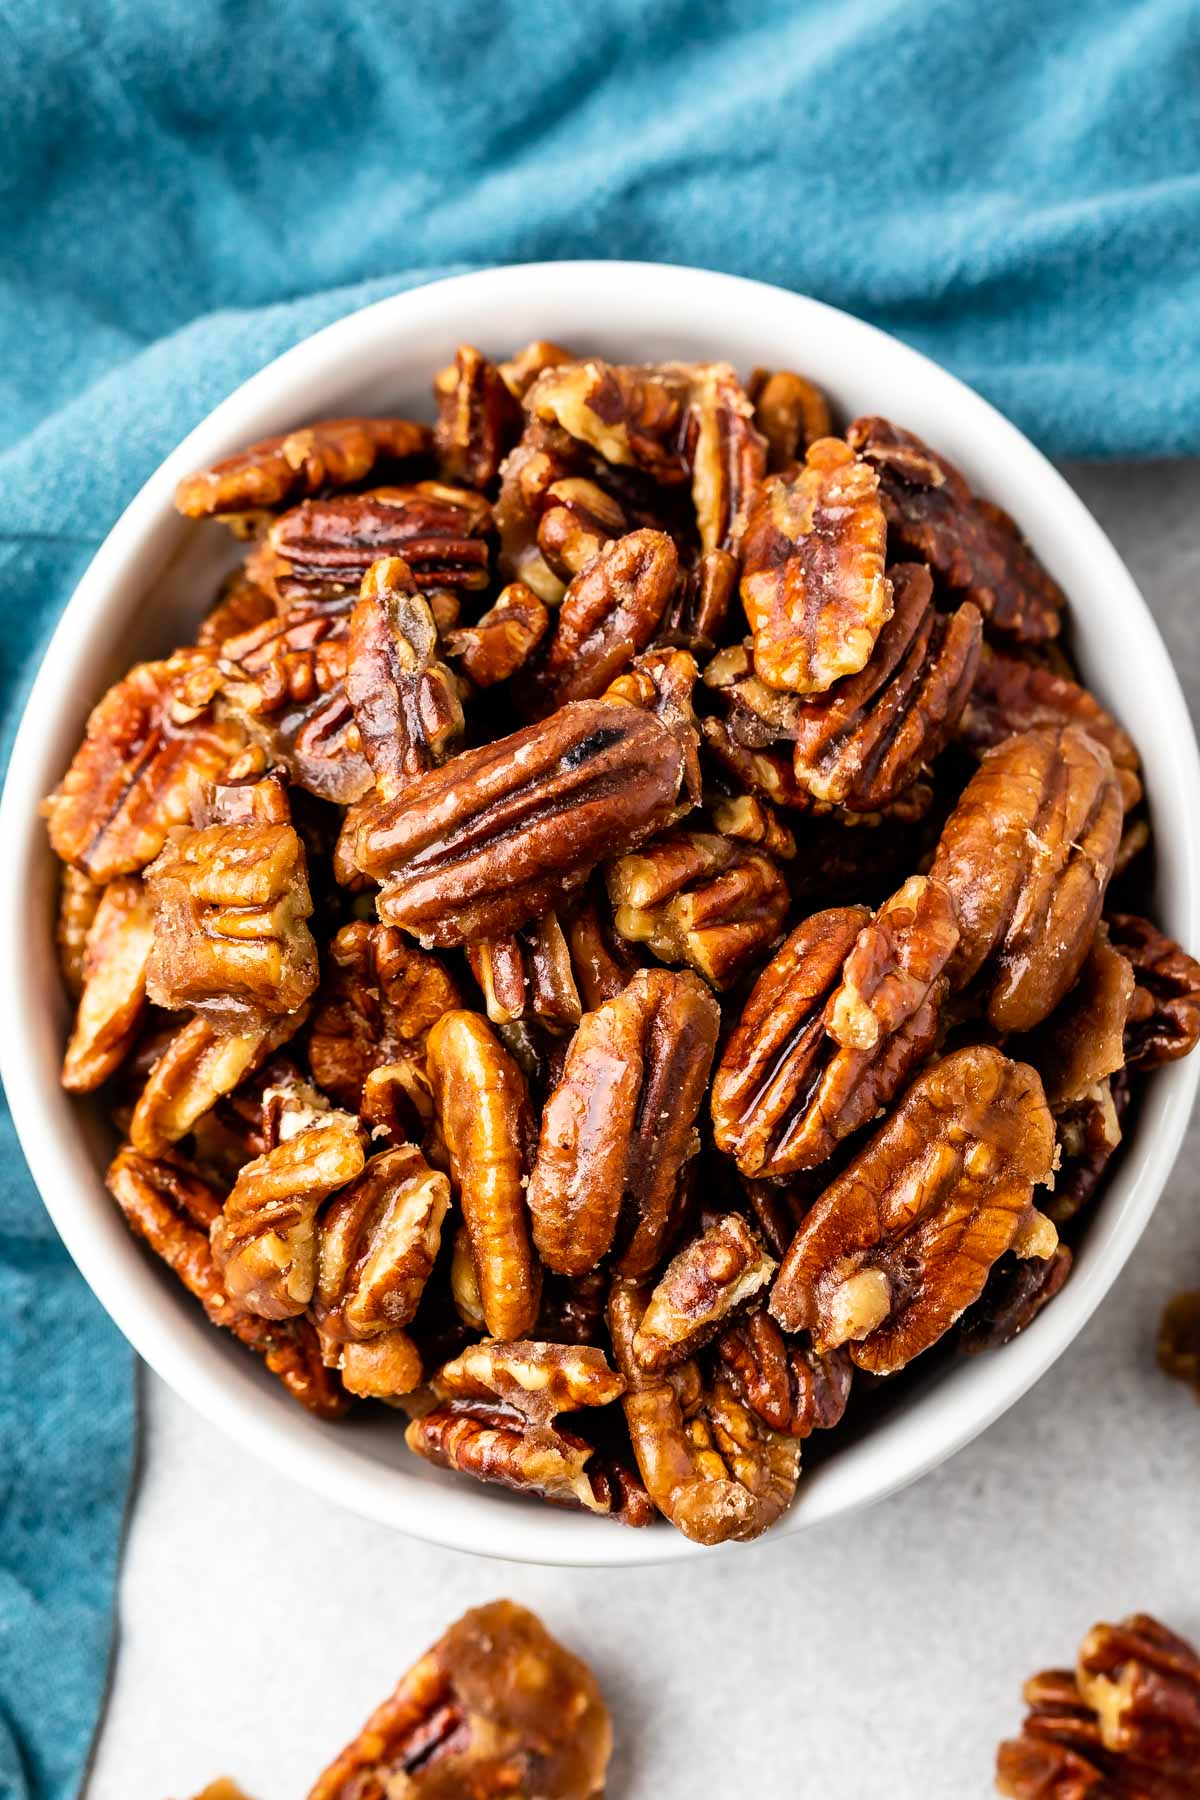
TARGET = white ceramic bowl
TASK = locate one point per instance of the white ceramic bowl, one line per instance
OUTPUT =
(381, 360)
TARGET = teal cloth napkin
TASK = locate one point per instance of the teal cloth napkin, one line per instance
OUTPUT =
(189, 186)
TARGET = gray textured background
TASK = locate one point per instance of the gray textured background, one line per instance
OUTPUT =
(880, 1656)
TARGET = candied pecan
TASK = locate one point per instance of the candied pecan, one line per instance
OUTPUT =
(241, 605)
(1089, 1131)
(790, 411)
(479, 418)
(661, 682)
(504, 832)
(726, 452)
(753, 821)
(714, 1276)
(767, 773)
(113, 997)
(973, 548)
(199, 1064)
(758, 716)
(843, 1013)
(1164, 1014)
(405, 700)
(321, 550)
(602, 963)
(699, 898)
(813, 581)
(385, 1367)
(496, 1708)
(528, 973)
(501, 640)
(789, 1385)
(484, 1112)
(869, 737)
(332, 454)
(709, 1463)
(1014, 1294)
(379, 1000)
(900, 1244)
(621, 1123)
(168, 1205)
(78, 902)
(377, 1242)
(699, 608)
(578, 519)
(1082, 1042)
(264, 1242)
(520, 371)
(1026, 855)
(1179, 1339)
(148, 744)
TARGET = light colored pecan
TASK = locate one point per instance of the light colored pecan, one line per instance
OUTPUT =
(503, 832)
(872, 734)
(726, 452)
(199, 1064)
(78, 902)
(699, 898)
(240, 606)
(405, 700)
(529, 974)
(1082, 1042)
(714, 1276)
(113, 997)
(485, 1117)
(497, 1708)
(464, 1283)
(791, 1387)
(710, 1465)
(1164, 1013)
(621, 1123)
(501, 640)
(150, 742)
(1178, 1348)
(172, 1208)
(1026, 855)
(578, 519)
(750, 820)
(696, 617)
(813, 581)
(790, 411)
(479, 418)
(521, 370)
(378, 1002)
(838, 1019)
(377, 1242)
(900, 1244)
(537, 1380)
(334, 453)
(1016, 1290)
(384, 1367)
(973, 548)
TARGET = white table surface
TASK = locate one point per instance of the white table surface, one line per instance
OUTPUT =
(881, 1656)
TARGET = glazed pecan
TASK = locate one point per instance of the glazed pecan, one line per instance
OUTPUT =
(750, 820)
(240, 606)
(621, 1123)
(78, 903)
(699, 608)
(870, 736)
(789, 1385)
(320, 551)
(699, 898)
(1179, 1339)
(709, 1280)
(168, 1205)
(377, 1242)
(520, 371)
(1082, 1043)
(150, 742)
(1164, 1014)
(709, 1463)
(485, 1117)
(813, 582)
(502, 640)
(200, 1063)
(332, 454)
(497, 1709)
(901, 1242)
(662, 682)
(973, 548)
(406, 702)
(528, 974)
(379, 1000)
(602, 963)
(578, 519)
(790, 411)
(1026, 855)
(113, 996)
(505, 831)
(479, 418)
(843, 1013)
(727, 455)
(1014, 1294)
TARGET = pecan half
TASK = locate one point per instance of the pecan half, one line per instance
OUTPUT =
(901, 1243)
(377, 1242)
(334, 453)
(1027, 854)
(791, 1387)
(528, 974)
(78, 903)
(501, 640)
(973, 548)
(496, 1708)
(113, 996)
(405, 700)
(479, 418)
(699, 898)
(753, 821)
(700, 606)
(505, 831)
(813, 582)
(714, 1276)
(842, 1014)
(1082, 1043)
(621, 1123)
(578, 519)
(199, 1064)
(790, 411)
(380, 998)
(1164, 1014)
(1015, 1292)
(487, 1123)
(1179, 1339)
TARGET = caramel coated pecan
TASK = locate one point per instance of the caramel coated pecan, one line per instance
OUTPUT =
(241, 605)
(378, 1240)
(845, 1010)
(113, 996)
(901, 1243)
(791, 1387)
(662, 682)
(501, 640)
(1164, 1013)
(602, 962)
(406, 702)
(578, 518)
(379, 1000)
(813, 582)
(332, 454)
(497, 1708)
(1179, 1339)
(1082, 1043)
(973, 548)
(200, 1063)
(1014, 1294)
(751, 820)
(487, 1123)
(790, 411)
(168, 1205)
(709, 1463)
(699, 608)
(528, 975)
(1026, 855)
(709, 1280)
(699, 898)
(479, 418)
(503, 832)
(78, 903)
(867, 739)
(621, 1123)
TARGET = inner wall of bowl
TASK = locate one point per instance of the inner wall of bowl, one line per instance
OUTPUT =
(382, 361)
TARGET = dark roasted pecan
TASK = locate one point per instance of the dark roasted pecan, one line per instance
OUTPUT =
(901, 1243)
(502, 640)
(792, 1387)
(845, 1010)
(241, 606)
(504, 832)
(377, 1004)
(113, 995)
(973, 548)
(479, 418)
(709, 1280)
(709, 1463)
(1014, 1294)
(699, 898)
(332, 454)
(495, 1710)
(790, 411)
(813, 582)
(869, 737)
(377, 1242)
(528, 974)
(200, 1063)
(78, 903)
(1082, 1043)
(1164, 1014)
(405, 700)
(1027, 854)
(1089, 1131)
(486, 1121)
(168, 1205)
(1179, 1339)
(621, 1123)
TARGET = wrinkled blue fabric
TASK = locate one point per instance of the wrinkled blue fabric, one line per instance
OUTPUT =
(189, 186)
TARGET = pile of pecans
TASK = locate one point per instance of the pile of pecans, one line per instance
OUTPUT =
(612, 907)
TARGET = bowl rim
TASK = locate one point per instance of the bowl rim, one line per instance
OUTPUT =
(467, 1517)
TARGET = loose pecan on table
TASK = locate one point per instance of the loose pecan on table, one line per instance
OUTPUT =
(1179, 1339)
